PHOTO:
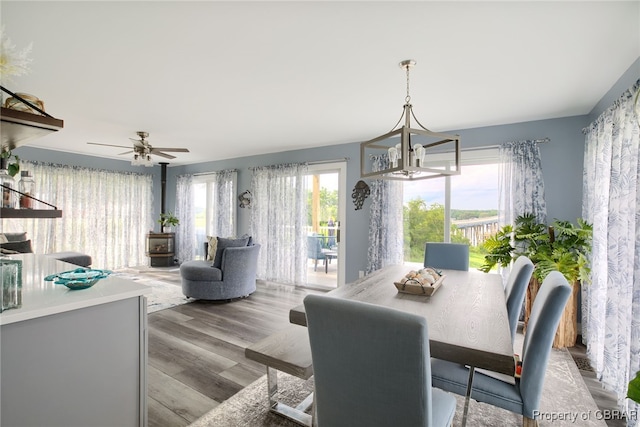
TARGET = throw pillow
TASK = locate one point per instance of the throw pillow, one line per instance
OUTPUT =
(3, 238)
(227, 243)
(16, 237)
(23, 247)
(8, 252)
(212, 246)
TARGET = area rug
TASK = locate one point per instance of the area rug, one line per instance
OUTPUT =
(163, 294)
(566, 401)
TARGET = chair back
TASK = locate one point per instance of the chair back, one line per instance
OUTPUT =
(314, 247)
(371, 364)
(543, 323)
(515, 289)
(451, 256)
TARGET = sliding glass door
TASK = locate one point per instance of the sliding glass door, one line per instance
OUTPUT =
(325, 230)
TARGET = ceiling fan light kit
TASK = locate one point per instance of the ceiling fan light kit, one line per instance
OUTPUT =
(142, 150)
(419, 153)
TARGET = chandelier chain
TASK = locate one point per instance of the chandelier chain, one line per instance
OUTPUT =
(407, 99)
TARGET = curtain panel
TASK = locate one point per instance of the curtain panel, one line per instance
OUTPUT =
(520, 185)
(105, 214)
(219, 194)
(279, 220)
(385, 220)
(184, 211)
(611, 202)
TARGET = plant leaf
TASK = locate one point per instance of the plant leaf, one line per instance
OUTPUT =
(633, 392)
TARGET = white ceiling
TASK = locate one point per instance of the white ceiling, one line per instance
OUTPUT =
(229, 79)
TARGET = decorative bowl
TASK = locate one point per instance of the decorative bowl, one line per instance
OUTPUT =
(80, 278)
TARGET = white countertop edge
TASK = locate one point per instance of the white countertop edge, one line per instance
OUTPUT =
(15, 315)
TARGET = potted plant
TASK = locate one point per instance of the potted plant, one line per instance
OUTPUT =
(167, 221)
(563, 246)
(5, 162)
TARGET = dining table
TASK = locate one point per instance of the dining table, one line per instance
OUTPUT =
(466, 316)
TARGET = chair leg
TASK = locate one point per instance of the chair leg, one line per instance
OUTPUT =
(529, 422)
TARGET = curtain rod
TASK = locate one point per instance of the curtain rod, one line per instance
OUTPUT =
(322, 162)
(487, 147)
(214, 172)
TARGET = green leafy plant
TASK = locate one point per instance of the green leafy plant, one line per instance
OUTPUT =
(633, 392)
(168, 220)
(563, 246)
(12, 167)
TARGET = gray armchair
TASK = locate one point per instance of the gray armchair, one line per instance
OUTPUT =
(235, 278)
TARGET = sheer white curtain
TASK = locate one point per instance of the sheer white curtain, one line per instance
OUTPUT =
(184, 211)
(520, 185)
(278, 222)
(611, 202)
(385, 220)
(105, 214)
(218, 190)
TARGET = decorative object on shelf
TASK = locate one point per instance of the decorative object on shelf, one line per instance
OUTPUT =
(12, 62)
(11, 282)
(245, 199)
(360, 192)
(428, 155)
(142, 150)
(27, 188)
(167, 221)
(5, 162)
(6, 190)
(18, 103)
(80, 278)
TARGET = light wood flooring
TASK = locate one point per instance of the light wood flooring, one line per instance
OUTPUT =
(196, 351)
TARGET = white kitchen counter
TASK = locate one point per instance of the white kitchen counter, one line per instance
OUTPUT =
(88, 347)
(41, 298)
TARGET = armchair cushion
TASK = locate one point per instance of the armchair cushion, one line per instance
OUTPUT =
(224, 243)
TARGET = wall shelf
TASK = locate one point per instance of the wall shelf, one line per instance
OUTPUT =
(20, 127)
(30, 213)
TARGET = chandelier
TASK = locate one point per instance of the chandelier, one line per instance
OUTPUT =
(419, 154)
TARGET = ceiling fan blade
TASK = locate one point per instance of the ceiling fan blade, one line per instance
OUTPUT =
(108, 145)
(126, 152)
(171, 150)
(161, 154)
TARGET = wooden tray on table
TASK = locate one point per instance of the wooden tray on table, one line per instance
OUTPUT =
(412, 286)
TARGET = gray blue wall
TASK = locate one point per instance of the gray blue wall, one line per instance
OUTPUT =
(562, 161)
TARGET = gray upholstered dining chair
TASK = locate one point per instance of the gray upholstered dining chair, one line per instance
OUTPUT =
(521, 395)
(372, 367)
(452, 256)
(314, 250)
(515, 289)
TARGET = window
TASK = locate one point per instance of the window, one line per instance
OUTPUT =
(461, 208)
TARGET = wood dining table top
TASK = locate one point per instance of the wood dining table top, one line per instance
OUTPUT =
(466, 316)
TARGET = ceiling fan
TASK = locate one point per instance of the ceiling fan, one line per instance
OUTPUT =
(143, 150)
